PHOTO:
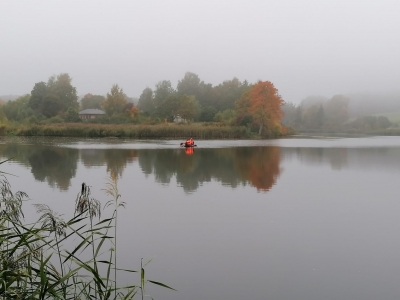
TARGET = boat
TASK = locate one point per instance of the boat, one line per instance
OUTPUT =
(187, 146)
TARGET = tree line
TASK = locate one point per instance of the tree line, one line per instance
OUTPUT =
(231, 103)
(330, 114)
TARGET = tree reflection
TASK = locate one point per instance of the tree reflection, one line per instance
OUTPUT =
(56, 165)
(257, 166)
(232, 167)
(117, 160)
(337, 158)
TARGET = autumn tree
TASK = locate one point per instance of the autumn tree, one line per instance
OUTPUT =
(115, 102)
(265, 105)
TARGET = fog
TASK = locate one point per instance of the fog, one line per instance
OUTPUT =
(305, 47)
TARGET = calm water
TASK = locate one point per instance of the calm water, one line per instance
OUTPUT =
(282, 219)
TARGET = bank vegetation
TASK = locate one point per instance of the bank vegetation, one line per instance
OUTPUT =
(54, 258)
(232, 109)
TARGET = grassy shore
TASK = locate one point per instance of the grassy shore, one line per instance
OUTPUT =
(165, 130)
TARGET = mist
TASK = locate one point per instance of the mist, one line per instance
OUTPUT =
(304, 47)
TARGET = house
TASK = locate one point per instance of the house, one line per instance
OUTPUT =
(90, 113)
(179, 119)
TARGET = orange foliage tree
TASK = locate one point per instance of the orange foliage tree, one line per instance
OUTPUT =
(265, 106)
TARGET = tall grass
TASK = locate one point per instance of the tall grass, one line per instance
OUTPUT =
(165, 130)
(44, 259)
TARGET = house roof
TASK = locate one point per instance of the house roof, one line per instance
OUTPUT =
(92, 111)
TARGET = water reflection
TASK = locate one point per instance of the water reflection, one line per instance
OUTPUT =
(116, 160)
(57, 166)
(377, 159)
(236, 166)
(255, 166)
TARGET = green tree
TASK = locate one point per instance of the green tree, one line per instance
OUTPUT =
(38, 92)
(72, 115)
(337, 112)
(116, 101)
(52, 105)
(18, 109)
(162, 91)
(189, 107)
(54, 97)
(384, 122)
(227, 93)
(298, 121)
(146, 101)
(289, 114)
(62, 87)
(92, 101)
(189, 85)
(207, 113)
(227, 116)
(243, 116)
(170, 107)
(320, 118)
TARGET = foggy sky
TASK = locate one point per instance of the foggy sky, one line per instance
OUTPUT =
(305, 47)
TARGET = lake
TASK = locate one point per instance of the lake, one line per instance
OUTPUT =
(299, 218)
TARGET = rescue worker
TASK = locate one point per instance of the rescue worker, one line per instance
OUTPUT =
(187, 143)
(191, 142)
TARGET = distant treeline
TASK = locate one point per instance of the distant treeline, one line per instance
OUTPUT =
(233, 103)
(342, 114)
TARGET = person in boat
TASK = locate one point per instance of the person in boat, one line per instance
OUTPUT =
(189, 143)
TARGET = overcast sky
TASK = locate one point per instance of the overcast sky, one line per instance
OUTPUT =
(305, 47)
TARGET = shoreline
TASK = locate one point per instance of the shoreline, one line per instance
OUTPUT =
(137, 131)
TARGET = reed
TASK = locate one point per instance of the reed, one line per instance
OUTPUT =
(140, 131)
(34, 264)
